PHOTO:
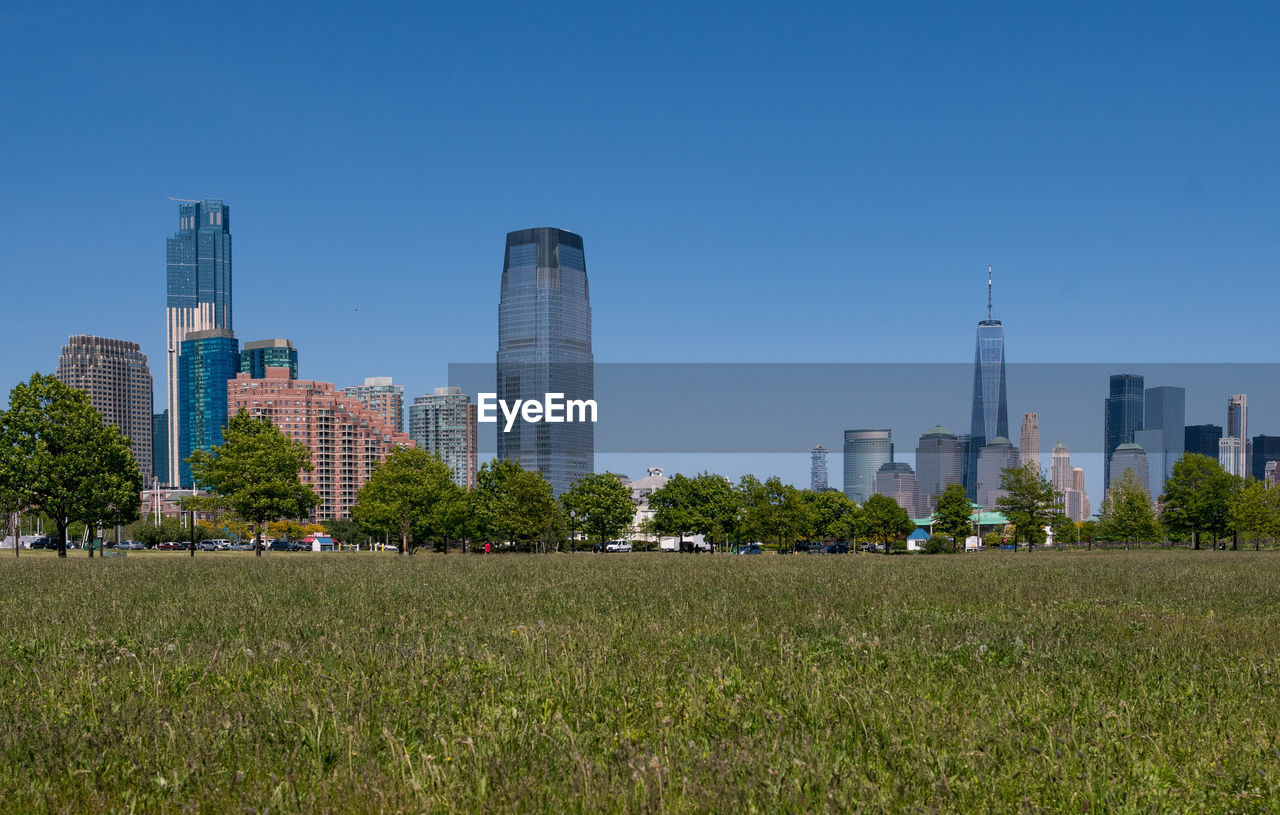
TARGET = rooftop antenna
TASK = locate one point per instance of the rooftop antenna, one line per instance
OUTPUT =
(182, 200)
(988, 292)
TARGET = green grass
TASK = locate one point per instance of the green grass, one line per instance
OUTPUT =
(1106, 682)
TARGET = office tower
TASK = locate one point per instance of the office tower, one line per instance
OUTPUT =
(382, 396)
(990, 412)
(159, 449)
(818, 469)
(896, 480)
(257, 356)
(1031, 441)
(206, 360)
(1075, 500)
(346, 439)
(115, 375)
(444, 423)
(1202, 439)
(969, 464)
(198, 268)
(864, 452)
(1163, 433)
(995, 458)
(1060, 468)
(1233, 453)
(544, 346)
(939, 462)
(1130, 457)
(1265, 449)
(1123, 414)
(1077, 478)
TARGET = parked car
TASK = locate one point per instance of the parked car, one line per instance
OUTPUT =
(171, 546)
(299, 546)
(618, 546)
(836, 549)
(279, 546)
(241, 546)
(42, 543)
(130, 545)
(208, 546)
(751, 550)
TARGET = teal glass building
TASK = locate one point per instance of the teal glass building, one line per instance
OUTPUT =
(207, 361)
(259, 355)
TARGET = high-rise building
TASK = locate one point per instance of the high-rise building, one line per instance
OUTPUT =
(444, 423)
(198, 268)
(990, 411)
(897, 481)
(1202, 439)
(381, 395)
(1031, 441)
(1233, 450)
(1131, 456)
(864, 452)
(1163, 434)
(1123, 414)
(995, 458)
(544, 346)
(115, 375)
(257, 356)
(1265, 448)
(1060, 468)
(939, 462)
(206, 361)
(160, 448)
(1076, 500)
(818, 469)
(345, 438)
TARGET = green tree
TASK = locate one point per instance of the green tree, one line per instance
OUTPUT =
(535, 515)
(344, 530)
(884, 521)
(62, 461)
(954, 516)
(1089, 531)
(1064, 529)
(1197, 498)
(1254, 512)
(255, 473)
(715, 506)
(1127, 514)
(405, 496)
(491, 507)
(834, 516)
(1029, 501)
(601, 505)
(675, 507)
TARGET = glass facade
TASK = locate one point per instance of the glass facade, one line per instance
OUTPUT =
(939, 462)
(257, 356)
(989, 417)
(444, 423)
(865, 452)
(1202, 439)
(160, 447)
(1124, 416)
(1162, 437)
(208, 360)
(544, 346)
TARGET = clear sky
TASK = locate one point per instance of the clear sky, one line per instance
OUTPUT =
(783, 182)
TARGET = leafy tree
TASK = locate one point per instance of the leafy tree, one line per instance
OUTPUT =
(601, 504)
(715, 505)
(1127, 514)
(884, 521)
(492, 512)
(1028, 503)
(754, 508)
(787, 514)
(62, 461)
(404, 495)
(535, 516)
(675, 507)
(1197, 498)
(954, 516)
(344, 530)
(1254, 512)
(1064, 529)
(1089, 531)
(833, 515)
(255, 473)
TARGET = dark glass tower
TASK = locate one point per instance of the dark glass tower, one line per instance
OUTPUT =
(257, 357)
(198, 269)
(989, 418)
(544, 346)
(1124, 415)
(1202, 439)
(208, 360)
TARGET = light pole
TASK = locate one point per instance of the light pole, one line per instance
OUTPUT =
(573, 528)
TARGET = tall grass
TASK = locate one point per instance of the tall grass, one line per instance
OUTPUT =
(1117, 682)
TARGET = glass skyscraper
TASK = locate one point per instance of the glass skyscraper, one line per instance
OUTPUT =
(544, 346)
(865, 452)
(444, 423)
(259, 355)
(989, 417)
(208, 359)
(198, 263)
(1123, 416)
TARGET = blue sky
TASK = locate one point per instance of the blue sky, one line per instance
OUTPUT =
(796, 182)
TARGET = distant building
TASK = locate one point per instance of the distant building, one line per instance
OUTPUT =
(208, 359)
(1231, 455)
(641, 489)
(1202, 439)
(382, 396)
(160, 448)
(1131, 457)
(1233, 451)
(1060, 468)
(989, 415)
(897, 481)
(1123, 415)
(346, 439)
(864, 452)
(1031, 440)
(1075, 499)
(939, 462)
(1163, 435)
(444, 423)
(257, 356)
(1265, 449)
(818, 469)
(995, 458)
(117, 379)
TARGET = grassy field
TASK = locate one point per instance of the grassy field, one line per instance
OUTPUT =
(1102, 682)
